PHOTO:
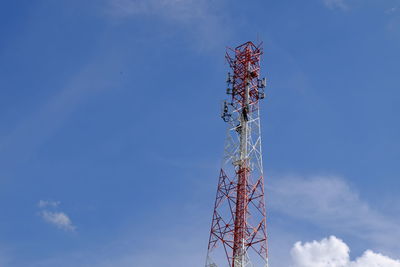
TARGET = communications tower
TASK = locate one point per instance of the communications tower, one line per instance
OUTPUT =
(238, 236)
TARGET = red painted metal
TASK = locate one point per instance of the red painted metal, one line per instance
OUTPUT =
(239, 60)
(226, 227)
(239, 217)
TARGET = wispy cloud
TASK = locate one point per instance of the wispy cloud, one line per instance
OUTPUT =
(329, 202)
(336, 4)
(203, 20)
(55, 217)
(172, 9)
(184, 244)
(46, 203)
(333, 252)
(40, 123)
(4, 256)
(392, 10)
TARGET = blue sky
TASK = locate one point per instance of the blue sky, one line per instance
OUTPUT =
(110, 135)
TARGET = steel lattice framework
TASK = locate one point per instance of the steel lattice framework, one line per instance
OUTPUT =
(238, 235)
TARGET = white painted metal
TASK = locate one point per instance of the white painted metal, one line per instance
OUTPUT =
(243, 143)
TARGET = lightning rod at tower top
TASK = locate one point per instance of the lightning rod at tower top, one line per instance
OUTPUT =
(238, 236)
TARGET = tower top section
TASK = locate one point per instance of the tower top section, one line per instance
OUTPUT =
(244, 62)
(243, 81)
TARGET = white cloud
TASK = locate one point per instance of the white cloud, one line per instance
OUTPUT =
(333, 252)
(59, 219)
(371, 259)
(329, 202)
(49, 212)
(341, 4)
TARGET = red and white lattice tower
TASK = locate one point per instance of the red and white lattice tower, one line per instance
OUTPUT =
(238, 235)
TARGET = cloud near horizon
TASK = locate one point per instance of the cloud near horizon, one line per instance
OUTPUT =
(331, 203)
(333, 252)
